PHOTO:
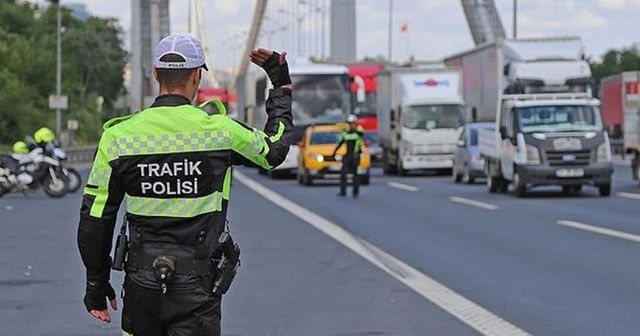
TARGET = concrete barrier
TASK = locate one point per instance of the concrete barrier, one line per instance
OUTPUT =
(80, 154)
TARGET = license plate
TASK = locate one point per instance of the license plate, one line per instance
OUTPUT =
(432, 158)
(572, 172)
(335, 168)
(567, 144)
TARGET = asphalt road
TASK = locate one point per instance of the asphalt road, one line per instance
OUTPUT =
(549, 264)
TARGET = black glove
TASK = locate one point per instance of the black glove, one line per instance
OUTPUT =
(95, 294)
(278, 73)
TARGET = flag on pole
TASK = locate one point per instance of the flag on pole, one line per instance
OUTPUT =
(404, 28)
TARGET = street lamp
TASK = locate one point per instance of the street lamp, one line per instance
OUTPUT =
(323, 30)
(58, 66)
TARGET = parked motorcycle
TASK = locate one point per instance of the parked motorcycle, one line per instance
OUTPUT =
(38, 168)
(73, 177)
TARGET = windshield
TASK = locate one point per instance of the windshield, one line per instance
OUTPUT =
(569, 118)
(366, 107)
(323, 138)
(320, 98)
(433, 116)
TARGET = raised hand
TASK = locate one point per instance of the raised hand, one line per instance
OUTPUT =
(274, 64)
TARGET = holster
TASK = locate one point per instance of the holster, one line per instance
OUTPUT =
(122, 246)
(227, 267)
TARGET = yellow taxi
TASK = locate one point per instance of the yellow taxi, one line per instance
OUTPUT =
(316, 160)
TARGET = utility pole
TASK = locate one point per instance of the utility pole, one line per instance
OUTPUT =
(389, 44)
(58, 68)
(515, 19)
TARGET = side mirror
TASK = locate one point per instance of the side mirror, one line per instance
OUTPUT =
(503, 132)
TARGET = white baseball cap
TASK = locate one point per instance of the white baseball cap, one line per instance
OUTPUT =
(184, 45)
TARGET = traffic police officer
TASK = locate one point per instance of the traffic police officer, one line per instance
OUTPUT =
(171, 163)
(353, 138)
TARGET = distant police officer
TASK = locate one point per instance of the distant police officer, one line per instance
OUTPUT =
(171, 163)
(353, 139)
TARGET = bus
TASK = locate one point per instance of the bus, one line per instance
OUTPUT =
(321, 95)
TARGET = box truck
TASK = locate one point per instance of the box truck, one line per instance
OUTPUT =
(620, 96)
(549, 129)
(420, 116)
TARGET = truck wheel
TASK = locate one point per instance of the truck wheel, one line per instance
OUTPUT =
(399, 168)
(492, 184)
(457, 178)
(519, 186)
(466, 176)
(604, 189)
(387, 167)
(503, 186)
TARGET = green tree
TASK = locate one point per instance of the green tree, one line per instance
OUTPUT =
(616, 61)
(93, 65)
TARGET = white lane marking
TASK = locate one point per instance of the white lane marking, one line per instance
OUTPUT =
(475, 316)
(402, 186)
(621, 162)
(600, 230)
(477, 204)
(628, 195)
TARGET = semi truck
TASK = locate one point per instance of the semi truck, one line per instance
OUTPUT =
(420, 117)
(620, 95)
(549, 128)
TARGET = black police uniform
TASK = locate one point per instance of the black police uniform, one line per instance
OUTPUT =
(171, 163)
(353, 139)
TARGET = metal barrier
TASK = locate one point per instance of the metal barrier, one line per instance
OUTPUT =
(80, 154)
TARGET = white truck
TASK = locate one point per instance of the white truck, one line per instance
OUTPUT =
(549, 129)
(547, 139)
(519, 66)
(420, 115)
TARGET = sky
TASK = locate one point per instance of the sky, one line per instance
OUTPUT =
(436, 28)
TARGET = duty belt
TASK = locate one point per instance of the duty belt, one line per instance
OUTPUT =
(183, 266)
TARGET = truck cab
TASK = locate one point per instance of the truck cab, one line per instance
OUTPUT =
(428, 134)
(548, 139)
(420, 118)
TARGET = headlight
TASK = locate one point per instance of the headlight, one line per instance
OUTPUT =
(533, 155)
(604, 153)
(408, 147)
(316, 157)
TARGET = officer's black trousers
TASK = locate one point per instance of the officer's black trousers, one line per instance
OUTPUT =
(148, 312)
(350, 166)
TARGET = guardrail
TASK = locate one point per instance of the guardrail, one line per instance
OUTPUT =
(80, 154)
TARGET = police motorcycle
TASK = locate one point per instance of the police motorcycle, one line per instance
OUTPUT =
(29, 168)
(73, 177)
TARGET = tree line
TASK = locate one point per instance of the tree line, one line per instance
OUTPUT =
(93, 63)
